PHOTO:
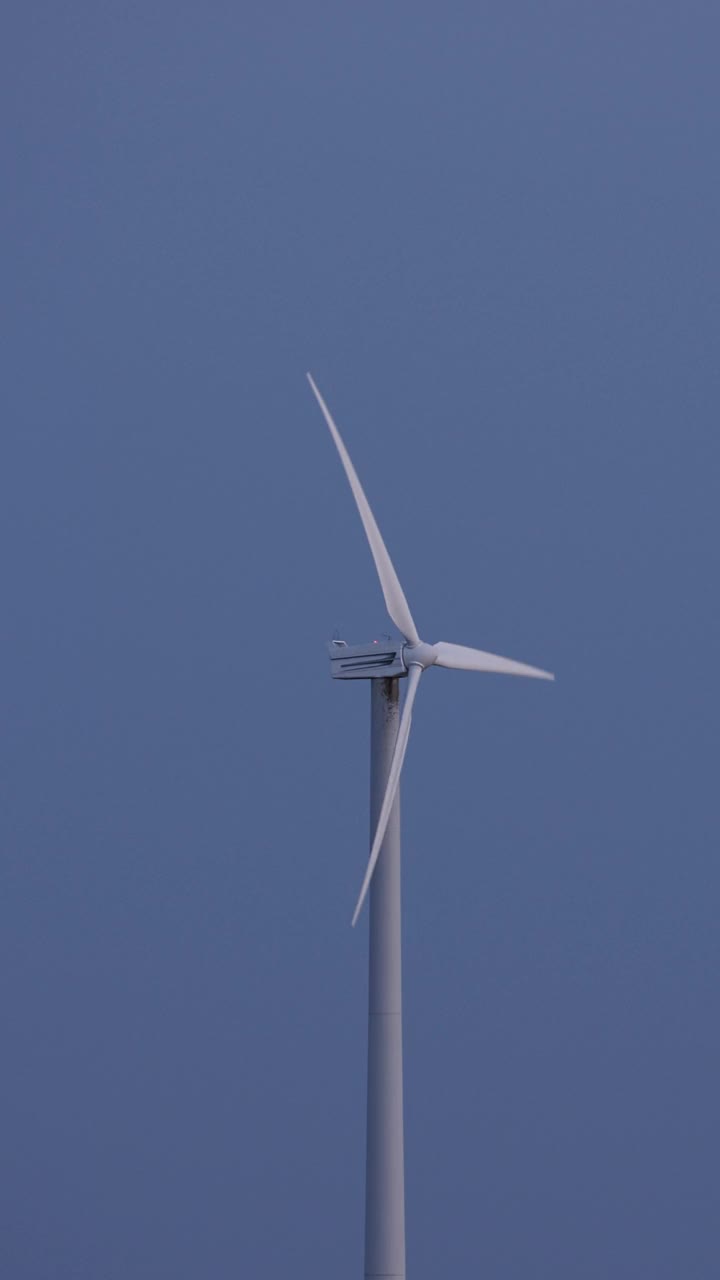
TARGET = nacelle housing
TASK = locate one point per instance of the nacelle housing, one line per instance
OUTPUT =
(377, 660)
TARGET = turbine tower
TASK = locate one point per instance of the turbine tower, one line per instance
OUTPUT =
(385, 664)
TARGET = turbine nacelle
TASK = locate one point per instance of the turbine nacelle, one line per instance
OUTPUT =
(376, 660)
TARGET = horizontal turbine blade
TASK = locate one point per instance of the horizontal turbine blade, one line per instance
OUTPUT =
(459, 657)
(392, 783)
(396, 604)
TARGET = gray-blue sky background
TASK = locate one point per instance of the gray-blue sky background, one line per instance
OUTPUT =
(491, 231)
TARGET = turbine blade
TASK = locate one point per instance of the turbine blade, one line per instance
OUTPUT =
(459, 657)
(392, 783)
(397, 605)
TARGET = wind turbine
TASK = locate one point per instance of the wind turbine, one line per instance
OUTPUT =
(384, 664)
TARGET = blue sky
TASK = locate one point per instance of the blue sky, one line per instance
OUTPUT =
(491, 233)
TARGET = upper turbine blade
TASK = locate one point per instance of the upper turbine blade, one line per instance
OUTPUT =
(392, 783)
(397, 605)
(464, 659)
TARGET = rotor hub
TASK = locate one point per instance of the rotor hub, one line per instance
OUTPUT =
(419, 655)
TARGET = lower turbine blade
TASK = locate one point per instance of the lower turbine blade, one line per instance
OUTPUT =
(392, 783)
(459, 657)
